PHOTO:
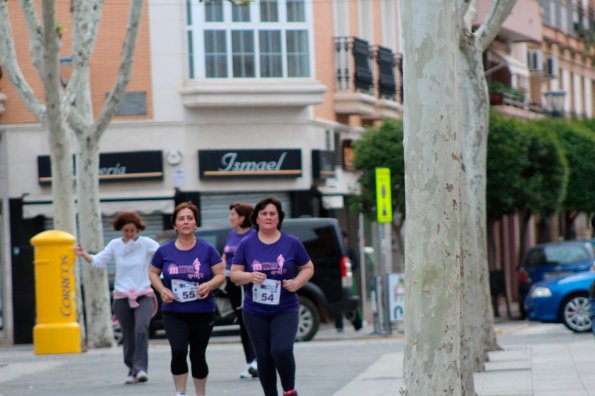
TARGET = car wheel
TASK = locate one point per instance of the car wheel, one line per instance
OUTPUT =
(575, 314)
(309, 320)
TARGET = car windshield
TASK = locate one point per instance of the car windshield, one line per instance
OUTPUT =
(566, 254)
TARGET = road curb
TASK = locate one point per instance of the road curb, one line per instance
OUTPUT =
(512, 329)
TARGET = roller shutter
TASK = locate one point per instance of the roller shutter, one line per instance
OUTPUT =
(214, 208)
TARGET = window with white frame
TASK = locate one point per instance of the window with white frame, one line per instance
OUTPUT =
(258, 40)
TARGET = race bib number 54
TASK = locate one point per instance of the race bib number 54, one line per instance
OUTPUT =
(183, 290)
(269, 292)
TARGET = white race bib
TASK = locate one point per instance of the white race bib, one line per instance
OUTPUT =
(269, 292)
(184, 291)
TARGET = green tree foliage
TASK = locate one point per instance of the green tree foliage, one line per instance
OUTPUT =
(526, 168)
(527, 171)
(381, 147)
(506, 160)
(546, 176)
(578, 143)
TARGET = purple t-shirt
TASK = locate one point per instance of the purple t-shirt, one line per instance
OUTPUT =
(278, 261)
(192, 265)
(231, 245)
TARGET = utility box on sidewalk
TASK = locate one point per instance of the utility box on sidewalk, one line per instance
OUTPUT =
(57, 330)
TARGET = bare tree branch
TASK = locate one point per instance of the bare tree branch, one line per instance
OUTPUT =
(84, 35)
(470, 12)
(462, 10)
(119, 88)
(51, 60)
(12, 69)
(497, 14)
(35, 34)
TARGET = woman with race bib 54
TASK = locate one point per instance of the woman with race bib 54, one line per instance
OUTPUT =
(272, 266)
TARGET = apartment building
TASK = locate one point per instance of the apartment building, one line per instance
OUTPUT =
(228, 102)
(540, 64)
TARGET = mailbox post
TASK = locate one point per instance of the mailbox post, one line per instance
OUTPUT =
(57, 330)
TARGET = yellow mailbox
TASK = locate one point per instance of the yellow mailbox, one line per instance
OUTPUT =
(57, 330)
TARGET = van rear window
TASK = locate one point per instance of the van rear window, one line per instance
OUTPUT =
(319, 242)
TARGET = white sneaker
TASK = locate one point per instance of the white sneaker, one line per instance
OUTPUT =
(131, 379)
(253, 368)
(141, 376)
(180, 393)
(245, 373)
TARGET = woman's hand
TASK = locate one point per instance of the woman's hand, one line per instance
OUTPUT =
(304, 274)
(203, 290)
(167, 296)
(80, 251)
(291, 285)
(258, 277)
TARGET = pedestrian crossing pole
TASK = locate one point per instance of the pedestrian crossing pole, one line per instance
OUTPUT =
(384, 217)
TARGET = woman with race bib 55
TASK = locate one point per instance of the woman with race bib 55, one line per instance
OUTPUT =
(185, 272)
(272, 266)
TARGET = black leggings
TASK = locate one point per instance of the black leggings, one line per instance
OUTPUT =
(235, 298)
(273, 339)
(185, 329)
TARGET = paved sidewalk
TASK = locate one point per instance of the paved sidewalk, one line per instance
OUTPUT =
(562, 368)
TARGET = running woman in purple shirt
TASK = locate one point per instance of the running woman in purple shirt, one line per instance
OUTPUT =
(185, 272)
(239, 219)
(272, 266)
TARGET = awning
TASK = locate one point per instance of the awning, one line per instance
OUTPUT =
(109, 207)
(514, 65)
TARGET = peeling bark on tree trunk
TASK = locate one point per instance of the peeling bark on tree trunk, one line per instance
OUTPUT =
(44, 47)
(73, 104)
(97, 302)
(446, 112)
(432, 171)
(89, 132)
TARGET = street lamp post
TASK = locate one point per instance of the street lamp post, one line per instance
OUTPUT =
(555, 100)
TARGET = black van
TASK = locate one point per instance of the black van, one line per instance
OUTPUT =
(329, 292)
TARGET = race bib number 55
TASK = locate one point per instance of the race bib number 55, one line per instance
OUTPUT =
(269, 292)
(184, 291)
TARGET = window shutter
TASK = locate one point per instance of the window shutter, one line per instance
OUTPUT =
(363, 75)
(386, 72)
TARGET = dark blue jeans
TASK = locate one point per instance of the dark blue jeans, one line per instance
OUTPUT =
(273, 339)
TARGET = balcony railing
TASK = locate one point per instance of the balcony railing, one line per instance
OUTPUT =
(353, 65)
(570, 17)
(357, 72)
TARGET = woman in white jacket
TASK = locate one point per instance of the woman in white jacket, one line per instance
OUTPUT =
(134, 300)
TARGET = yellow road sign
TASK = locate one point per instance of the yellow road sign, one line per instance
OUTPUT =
(384, 206)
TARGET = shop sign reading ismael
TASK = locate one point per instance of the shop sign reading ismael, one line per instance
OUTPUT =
(250, 163)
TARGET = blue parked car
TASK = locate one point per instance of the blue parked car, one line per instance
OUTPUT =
(553, 260)
(562, 300)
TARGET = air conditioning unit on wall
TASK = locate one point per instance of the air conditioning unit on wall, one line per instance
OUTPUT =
(535, 60)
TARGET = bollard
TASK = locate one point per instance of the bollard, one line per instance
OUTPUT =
(57, 330)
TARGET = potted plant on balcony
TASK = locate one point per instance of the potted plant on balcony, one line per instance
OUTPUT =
(503, 94)
(496, 90)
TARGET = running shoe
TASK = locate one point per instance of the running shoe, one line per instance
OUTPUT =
(141, 376)
(251, 370)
